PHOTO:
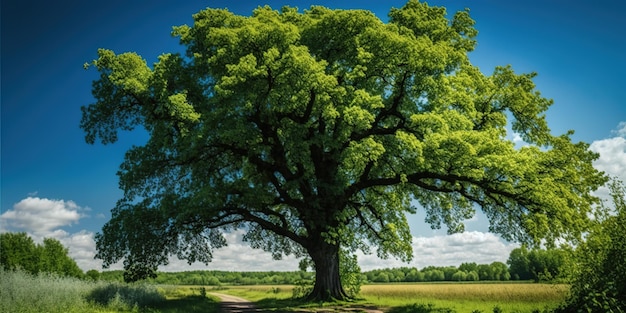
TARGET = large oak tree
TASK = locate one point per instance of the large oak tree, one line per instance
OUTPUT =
(318, 131)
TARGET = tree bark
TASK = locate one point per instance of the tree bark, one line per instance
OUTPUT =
(327, 286)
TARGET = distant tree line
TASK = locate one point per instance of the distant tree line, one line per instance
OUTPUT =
(465, 272)
(539, 264)
(19, 251)
(216, 278)
(523, 264)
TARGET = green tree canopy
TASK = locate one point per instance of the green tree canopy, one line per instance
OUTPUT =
(320, 130)
(19, 251)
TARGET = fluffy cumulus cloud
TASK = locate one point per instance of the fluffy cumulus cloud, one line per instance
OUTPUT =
(237, 256)
(474, 246)
(41, 215)
(445, 250)
(612, 158)
(612, 152)
(46, 218)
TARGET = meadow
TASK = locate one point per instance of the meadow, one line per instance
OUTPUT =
(422, 297)
(24, 293)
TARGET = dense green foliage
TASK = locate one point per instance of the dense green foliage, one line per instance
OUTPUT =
(599, 275)
(496, 271)
(538, 264)
(318, 131)
(19, 251)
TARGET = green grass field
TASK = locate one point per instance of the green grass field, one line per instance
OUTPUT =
(24, 293)
(426, 297)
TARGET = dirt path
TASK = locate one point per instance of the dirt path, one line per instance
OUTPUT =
(232, 304)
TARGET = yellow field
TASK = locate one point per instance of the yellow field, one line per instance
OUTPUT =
(452, 291)
(464, 297)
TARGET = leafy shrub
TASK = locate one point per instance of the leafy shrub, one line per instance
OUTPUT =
(125, 296)
(600, 272)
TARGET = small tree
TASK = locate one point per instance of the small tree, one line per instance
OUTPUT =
(93, 274)
(500, 271)
(19, 251)
(519, 264)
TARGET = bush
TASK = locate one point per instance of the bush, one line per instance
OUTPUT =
(600, 271)
(125, 296)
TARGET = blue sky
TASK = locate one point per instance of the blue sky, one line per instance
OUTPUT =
(53, 184)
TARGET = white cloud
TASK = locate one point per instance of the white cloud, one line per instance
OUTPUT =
(237, 256)
(612, 158)
(41, 215)
(448, 250)
(517, 139)
(621, 130)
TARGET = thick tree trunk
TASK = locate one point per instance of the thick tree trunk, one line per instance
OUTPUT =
(327, 280)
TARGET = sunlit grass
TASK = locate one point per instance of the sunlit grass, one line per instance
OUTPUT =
(465, 297)
(464, 291)
(425, 297)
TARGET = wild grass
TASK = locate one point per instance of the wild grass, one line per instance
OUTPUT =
(25, 293)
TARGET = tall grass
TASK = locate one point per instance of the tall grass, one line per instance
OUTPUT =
(25, 293)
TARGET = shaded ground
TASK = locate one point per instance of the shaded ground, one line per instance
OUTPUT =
(232, 304)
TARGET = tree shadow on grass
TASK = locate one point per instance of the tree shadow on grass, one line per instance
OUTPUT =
(189, 304)
(297, 305)
(281, 305)
(420, 308)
